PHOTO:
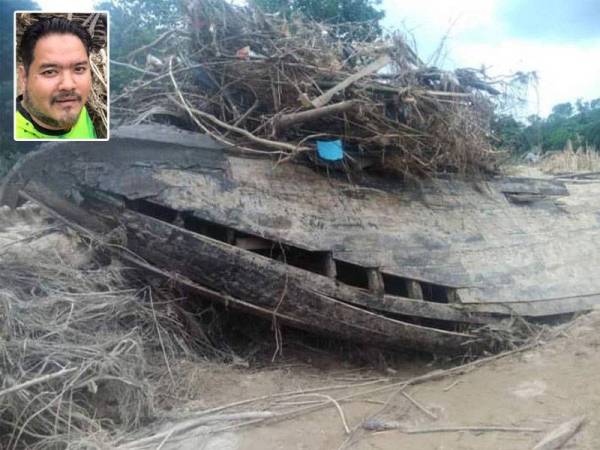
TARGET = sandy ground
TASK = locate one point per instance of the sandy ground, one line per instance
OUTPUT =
(538, 389)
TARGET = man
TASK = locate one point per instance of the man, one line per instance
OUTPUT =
(56, 80)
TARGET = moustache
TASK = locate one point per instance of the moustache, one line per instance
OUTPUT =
(66, 96)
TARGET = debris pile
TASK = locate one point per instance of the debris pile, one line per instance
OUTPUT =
(269, 84)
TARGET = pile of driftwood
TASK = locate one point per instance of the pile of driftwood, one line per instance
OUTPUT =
(269, 84)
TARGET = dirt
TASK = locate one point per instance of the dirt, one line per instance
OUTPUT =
(540, 389)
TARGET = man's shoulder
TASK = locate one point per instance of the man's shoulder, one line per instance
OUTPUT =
(84, 128)
(24, 129)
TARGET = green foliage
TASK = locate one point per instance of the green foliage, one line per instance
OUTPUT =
(591, 133)
(508, 132)
(561, 111)
(134, 23)
(579, 124)
(333, 11)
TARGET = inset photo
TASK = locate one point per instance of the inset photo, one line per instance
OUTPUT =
(61, 79)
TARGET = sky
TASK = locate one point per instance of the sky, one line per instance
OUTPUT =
(558, 39)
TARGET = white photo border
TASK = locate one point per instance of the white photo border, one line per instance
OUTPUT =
(15, 44)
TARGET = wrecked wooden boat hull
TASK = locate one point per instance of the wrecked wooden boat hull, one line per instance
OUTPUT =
(372, 260)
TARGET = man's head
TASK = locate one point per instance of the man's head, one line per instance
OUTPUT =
(55, 71)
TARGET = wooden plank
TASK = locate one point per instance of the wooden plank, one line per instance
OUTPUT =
(523, 185)
(137, 149)
(263, 284)
(446, 232)
(375, 282)
(535, 309)
(414, 289)
(329, 268)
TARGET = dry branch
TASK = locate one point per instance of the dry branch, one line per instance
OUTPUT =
(472, 429)
(286, 120)
(246, 78)
(560, 435)
(380, 63)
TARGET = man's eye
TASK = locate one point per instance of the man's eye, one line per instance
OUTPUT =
(81, 69)
(49, 73)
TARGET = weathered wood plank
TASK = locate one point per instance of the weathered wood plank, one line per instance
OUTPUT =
(521, 185)
(414, 289)
(446, 232)
(375, 281)
(263, 284)
(268, 284)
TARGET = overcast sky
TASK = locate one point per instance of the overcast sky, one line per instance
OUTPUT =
(559, 39)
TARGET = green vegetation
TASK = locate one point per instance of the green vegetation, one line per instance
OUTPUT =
(134, 23)
(578, 122)
(335, 12)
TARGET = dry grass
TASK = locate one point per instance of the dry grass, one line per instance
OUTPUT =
(571, 161)
(81, 348)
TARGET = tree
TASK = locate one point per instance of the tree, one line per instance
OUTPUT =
(508, 133)
(134, 23)
(591, 134)
(335, 12)
(582, 106)
(580, 125)
(561, 111)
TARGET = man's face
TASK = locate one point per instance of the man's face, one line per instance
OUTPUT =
(59, 81)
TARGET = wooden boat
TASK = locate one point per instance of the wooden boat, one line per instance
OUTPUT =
(370, 259)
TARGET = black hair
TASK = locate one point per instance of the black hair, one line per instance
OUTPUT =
(44, 27)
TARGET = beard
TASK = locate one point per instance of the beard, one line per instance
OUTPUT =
(64, 121)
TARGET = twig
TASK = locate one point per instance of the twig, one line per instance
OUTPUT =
(336, 404)
(475, 429)
(193, 112)
(160, 339)
(38, 380)
(447, 388)
(195, 423)
(156, 41)
(281, 146)
(132, 67)
(183, 103)
(418, 405)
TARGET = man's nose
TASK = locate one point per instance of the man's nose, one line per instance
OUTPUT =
(67, 82)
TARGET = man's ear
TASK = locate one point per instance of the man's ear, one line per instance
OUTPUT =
(22, 78)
